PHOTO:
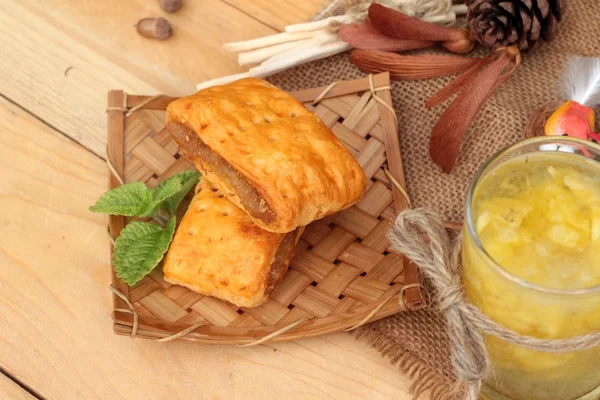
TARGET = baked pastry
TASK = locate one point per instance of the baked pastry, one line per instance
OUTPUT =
(220, 252)
(270, 155)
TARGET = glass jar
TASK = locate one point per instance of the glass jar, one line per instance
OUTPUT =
(531, 262)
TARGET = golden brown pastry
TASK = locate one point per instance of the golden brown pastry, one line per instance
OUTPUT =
(219, 251)
(270, 155)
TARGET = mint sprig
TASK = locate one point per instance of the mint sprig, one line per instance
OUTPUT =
(163, 191)
(189, 179)
(129, 200)
(142, 245)
(139, 248)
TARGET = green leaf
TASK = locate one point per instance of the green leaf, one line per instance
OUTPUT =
(165, 189)
(139, 248)
(130, 200)
(189, 179)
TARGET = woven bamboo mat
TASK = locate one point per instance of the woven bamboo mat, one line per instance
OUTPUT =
(343, 274)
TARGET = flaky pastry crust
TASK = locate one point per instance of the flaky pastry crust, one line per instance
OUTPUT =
(219, 251)
(298, 168)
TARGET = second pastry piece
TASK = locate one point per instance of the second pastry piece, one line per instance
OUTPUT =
(270, 155)
(218, 251)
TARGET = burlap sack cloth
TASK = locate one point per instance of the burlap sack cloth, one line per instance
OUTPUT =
(417, 341)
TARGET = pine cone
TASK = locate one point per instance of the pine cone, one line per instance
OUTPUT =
(497, 23)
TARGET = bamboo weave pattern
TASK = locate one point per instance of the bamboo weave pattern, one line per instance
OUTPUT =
(343, 266)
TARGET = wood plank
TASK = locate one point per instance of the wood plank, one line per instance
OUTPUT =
(278, 13)
(59, 58)
(9, 390)
(54, 296)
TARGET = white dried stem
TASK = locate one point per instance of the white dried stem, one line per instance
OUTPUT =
(406, 3)
(260, 55)
(263, 71)
(440, 19)
(222, 80)
(269, 41)
(326, 37)
(290, 53)
(460, 9)
(301, 57)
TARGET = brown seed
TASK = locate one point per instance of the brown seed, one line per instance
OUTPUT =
(154, 28)
(170, 6)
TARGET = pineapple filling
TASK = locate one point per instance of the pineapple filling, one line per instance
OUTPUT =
(538, 217)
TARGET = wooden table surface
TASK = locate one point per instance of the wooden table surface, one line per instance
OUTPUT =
(58, 58)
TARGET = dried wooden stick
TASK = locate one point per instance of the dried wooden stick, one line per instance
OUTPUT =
(269, 40)
(292, 52)
(260, 55)
(298, 58)
(327, 37)
(265, 70)
(459, 9)
(310, 41)
(222, 80)
(318, 41)
(447, 18)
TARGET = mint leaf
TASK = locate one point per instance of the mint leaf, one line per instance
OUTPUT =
(189, 179)
(135, 199)
(165, 189)
(142, 245)
(129, 200)
(139, 248)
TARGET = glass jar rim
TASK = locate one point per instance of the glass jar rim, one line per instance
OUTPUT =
(471, 225)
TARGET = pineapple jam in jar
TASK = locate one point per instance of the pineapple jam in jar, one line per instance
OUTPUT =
(531, 262)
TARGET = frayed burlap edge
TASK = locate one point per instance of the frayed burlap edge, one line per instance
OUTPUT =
(423, 378)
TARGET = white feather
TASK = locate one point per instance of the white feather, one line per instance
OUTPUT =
(582, 81)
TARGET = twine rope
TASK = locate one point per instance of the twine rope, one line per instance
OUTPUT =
(181, 333)
(378, 99)
(440, 262)
(134, 329)
(112, 168)
(122, 108)
(387, 298)
(276, 333)
(398, 186)
(372, 89)
(389, 295)
(131, 310)
(143, 104)
(356, 10)
(318, 99)
(113, 171)
(129, 111)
